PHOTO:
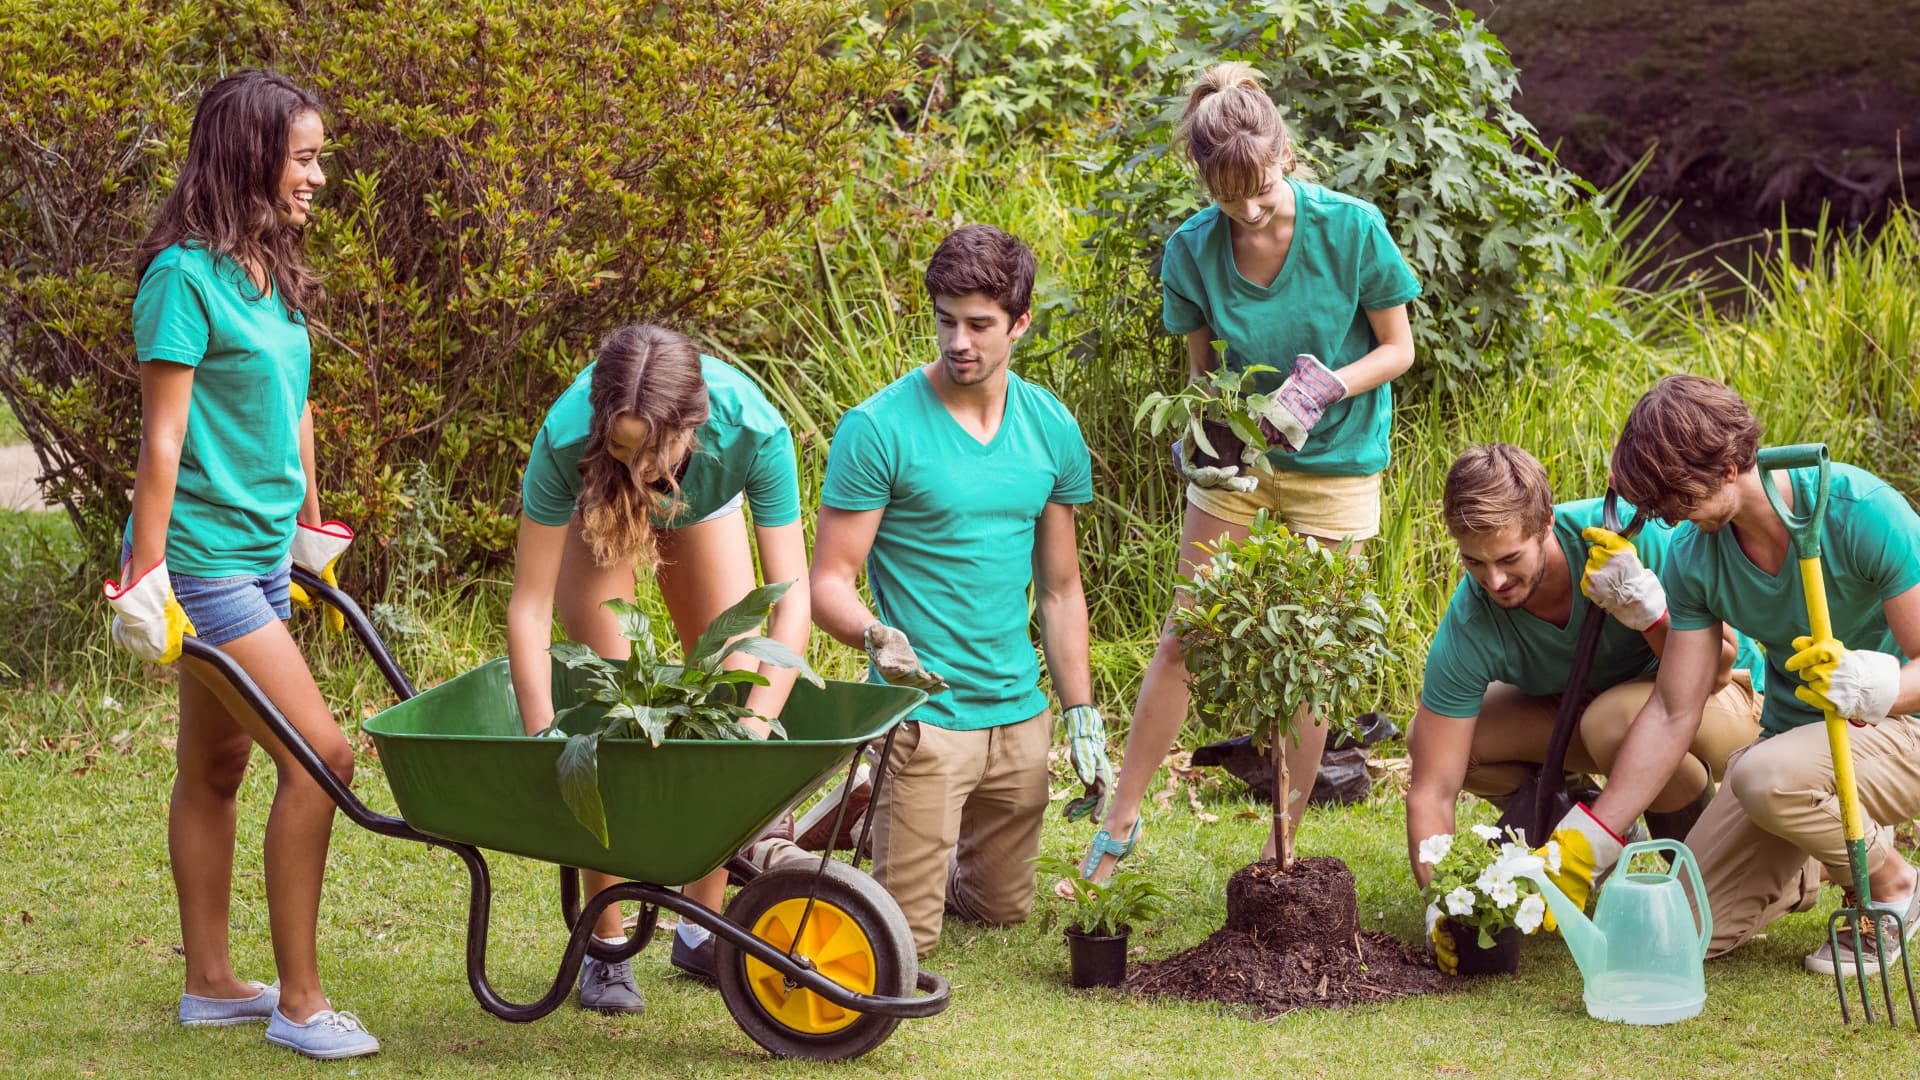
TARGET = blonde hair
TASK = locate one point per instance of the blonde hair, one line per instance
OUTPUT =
(1233, 133)
(653, 374)
(1496, 486)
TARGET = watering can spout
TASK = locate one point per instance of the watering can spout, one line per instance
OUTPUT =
(1584, 940)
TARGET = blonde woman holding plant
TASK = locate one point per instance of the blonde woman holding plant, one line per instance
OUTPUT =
(1304, 280)
(643, 463)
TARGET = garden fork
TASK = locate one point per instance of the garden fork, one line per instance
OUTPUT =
(1866, 923)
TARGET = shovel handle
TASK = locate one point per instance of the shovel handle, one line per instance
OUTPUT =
(1803, 523)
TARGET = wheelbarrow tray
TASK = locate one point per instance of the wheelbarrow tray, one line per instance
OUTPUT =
(461, 767)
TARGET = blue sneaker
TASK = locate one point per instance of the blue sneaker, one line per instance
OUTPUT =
(197, 1011)
(326, 1035)
(695, 960)
(609, 988)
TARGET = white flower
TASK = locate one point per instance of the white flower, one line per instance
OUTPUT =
(1460, 901)
(1553, 856)
(1504, 893)
(1517, 863)
(1486, 832)
(1490, 877)
(1532, 911)
(1435, 847)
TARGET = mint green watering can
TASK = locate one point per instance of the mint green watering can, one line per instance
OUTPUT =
(1641, 953)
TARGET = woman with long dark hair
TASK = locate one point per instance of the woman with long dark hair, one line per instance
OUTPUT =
(223, 504)
(643, 463)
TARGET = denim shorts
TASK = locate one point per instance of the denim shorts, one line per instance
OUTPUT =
(224, 608)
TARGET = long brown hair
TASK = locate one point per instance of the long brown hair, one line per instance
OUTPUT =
(227, 197)
(652, 374)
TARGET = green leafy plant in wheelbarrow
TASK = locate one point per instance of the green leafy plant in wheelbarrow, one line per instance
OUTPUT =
(647, 698)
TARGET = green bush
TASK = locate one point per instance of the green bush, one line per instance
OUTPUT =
(508, 182)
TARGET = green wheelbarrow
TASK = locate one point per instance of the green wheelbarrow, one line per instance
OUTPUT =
(815, 960)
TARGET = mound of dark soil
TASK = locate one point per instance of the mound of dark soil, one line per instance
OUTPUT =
(1291, 941)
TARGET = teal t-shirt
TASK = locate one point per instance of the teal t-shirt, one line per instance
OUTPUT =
(743, 447)
(241, 482)
(1870, 548)
(1342, 264)
(953, 557)
(1479, 642)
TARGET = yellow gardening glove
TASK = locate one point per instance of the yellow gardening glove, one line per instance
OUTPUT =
(1579, 850)
(1858, 684)
(147, 621)
(1616, 580)
(1446, 955)
(317, 549)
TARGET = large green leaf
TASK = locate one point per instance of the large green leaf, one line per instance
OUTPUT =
(634, 624)
(741, 618)
(574, 655)
(777, 654)
(579, 770)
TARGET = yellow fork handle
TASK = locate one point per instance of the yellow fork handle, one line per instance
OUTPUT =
(1820, 624)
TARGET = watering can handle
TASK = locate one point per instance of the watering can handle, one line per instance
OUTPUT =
(1803, 523)
(1680, 854)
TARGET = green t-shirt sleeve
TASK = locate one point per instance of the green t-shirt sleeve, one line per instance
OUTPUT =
(1884, 533)
(1456, 679)
(1180, 291)
(550, 489)
(170, 320)
(859, 466)
(1073, 476)
(773, 481)
(1385, 279)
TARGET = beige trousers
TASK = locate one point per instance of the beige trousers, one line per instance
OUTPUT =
(1513, 729)
(1760, 851)
(958, 823)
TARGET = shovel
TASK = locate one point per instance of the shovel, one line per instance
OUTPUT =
(1804, 527)
(1539, 803)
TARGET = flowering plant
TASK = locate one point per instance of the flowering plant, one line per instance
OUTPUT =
(1482, 884)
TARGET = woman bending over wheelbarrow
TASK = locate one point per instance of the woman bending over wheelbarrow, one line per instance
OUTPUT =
(1289, 275)
(223, 503)
(644, 462)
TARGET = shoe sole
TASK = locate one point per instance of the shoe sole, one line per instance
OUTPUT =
(615, 1010)
(231, 1021)
(334, 1055)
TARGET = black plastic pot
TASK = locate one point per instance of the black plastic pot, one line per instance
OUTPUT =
(1502, 959)
(1096, 959)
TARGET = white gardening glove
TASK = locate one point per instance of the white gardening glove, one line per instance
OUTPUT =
(1217, 476)
(147, 621)
(317, 549)
(1300, 403)
(1617, 582)
(1857, 684)
(893, 657)
(1087, 751)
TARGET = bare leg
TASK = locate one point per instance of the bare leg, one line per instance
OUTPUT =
(300, 825)
(211, 760)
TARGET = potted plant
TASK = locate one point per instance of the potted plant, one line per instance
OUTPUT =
(1477, 889)
(1217, 416)
(1100, 918)
(647, 698)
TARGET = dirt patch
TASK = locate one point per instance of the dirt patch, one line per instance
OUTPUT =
(1291, 942)
(18, 467)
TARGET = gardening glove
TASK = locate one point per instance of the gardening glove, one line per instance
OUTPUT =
(1299, 403)
(1617, 582)
(893, 657)
(1087, 750)
(1585, 849)
(1446, 955)
(317, 549)
(1232, 478)
(1858, 684)
(147, 621)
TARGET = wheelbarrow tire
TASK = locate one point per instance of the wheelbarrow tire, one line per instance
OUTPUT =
(861, 939)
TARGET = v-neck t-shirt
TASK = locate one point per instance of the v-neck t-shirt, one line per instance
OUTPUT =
(1870, 553)
(953, 557)
(1480, 643)
(744, 446)
(1341, 264)
(241, 481)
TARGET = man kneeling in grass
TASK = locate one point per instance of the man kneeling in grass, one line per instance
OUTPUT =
(1687, 453)
(1498, 663)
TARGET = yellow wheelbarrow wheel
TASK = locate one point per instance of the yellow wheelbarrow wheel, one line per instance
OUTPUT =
(855, 936)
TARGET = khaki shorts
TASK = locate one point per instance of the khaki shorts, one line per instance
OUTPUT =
(1329, 507)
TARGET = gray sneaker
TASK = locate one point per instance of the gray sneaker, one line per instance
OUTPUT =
(1860, 940)
(197, 1011)
(326, 1035)
(609, 988)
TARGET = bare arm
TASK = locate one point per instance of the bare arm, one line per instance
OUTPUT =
(536, 570)
(841, 540)
(1389, 359)
(1437, 749)
(1061, 602)
(783, 557)
(166, 389)
(1903, 618)
(310, 507)
(1664, 727)
(1201, 357)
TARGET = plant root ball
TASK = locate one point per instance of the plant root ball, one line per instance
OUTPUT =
(1313, 902)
